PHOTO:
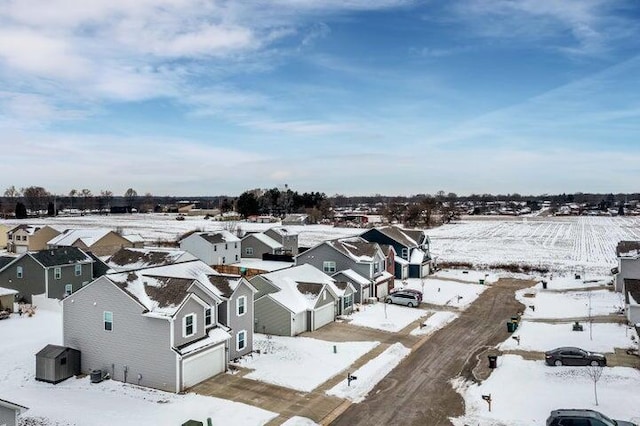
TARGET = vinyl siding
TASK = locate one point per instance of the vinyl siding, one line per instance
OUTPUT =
(263, 286)
(272, 318)
(244, 322)
(322, 301)
(259, 248)
(67, 276)
(319, 254)
(32, 281)
(133, 342)
(203, 250)
(628, 268)
(289, 242)
(190, 307)
(8, 416)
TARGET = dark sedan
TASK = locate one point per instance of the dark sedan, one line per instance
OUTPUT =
(574, 356)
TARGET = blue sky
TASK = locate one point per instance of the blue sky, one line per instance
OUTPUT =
(179, 97)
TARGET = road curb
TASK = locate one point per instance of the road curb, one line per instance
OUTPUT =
(335, 413)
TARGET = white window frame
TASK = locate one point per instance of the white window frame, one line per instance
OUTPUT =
(68, 289)
(348, 301)
(248, 251)
(19, 272)
(208, 318)
(105, 322)
(78, 270)
(194, 323)
(57, 273)
(329, 266)
(244, 305)
(244, 340)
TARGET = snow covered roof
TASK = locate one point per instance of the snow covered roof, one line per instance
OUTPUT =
(401, 260)
(214, 336)
(7, 291)
(265, 239)
(417, 257)
(384, 276)
(628, 249)
(263, 265)
(127, 259)
(217, 237)
(60, 256)
(88, 237)
(194, 269)
(406, 237)
(301, 273)
(28, 229)
(134, 238)
(354, 276)
(282, 231)
(358, 249)
(226, 284)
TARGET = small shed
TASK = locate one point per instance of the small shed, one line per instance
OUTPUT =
(9, 412)
(57, 363)
(7, 297)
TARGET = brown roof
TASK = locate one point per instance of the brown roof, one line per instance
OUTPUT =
(221, 283)
(170, 292)
(124, 256)
(341, 284)
(403, 236)
(632, 288)
(355, 247)
(310, 288)
(628, 248)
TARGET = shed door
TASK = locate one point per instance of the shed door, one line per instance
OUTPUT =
(200, 367)
(323, 316)
(299, 324)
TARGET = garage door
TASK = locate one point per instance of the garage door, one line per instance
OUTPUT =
(299, 323)
(323, 316)
(202, 366)
(21, 249)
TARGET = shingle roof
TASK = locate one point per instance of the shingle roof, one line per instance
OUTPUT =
(628, 248)
(406, 237)
(129, 258)
(217, 237)
(5, 260)
(224, 284)
(52, 351)
(356, 248)
(61, 256)
(88, 237)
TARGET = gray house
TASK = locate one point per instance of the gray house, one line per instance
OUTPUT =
(632, 300)
(120, 322)
(213, 248)
(286, 237)
(356, 254)
(628, 254)
(411, 247)
(9, 412)
(294, 300)
(256, 244)
(361, 285)
(56, 273)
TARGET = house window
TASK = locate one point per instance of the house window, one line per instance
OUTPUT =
(63, 360)
(188, 325)
(241, 305)
(348, 301)
(215, 248)
(236, 257)
(78, 270)
(329, 267)
(19, 272)
(57, 273)
(376, 268)
(405, 253)
(68, 289)
(248, 251)
(226, 246)
(108, 320)
(207, 316)
(224, 260)
(241, 340)
(235, 245)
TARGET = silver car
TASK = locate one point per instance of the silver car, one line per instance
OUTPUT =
(403, 298)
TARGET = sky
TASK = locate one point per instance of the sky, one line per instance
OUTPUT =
(395, 97)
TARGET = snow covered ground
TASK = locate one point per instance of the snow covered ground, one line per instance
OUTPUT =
(78, 402)
(467, 275)
(301, 363)
(434, 323)
(524, 392)
(385, 316)
(370, 374)
(538, 336)
(560, 243)
(445, 293)
(570, 304)
(569, 281)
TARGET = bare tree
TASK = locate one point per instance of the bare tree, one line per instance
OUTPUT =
(595, 372)
(86, 195)
(73, 194)
(104, 200)
(36, 198)
(11, 192)
(130, 196)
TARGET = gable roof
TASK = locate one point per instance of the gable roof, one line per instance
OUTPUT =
(60, 256)
(127, 259)
(406, 237)
(282, 231)
(353, 276)
(5, 260)
(13, 406)
(87, 236)
(356, 248)
(29, 229)
(265, 239)
(628, 249)
(217, 237)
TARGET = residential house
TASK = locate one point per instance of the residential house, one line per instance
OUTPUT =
(354, 254)
(100, 241)
(24, 238)
(256, 244)
(294, 300)
(346, 297)
(214, 247)
(4, 229)
(120, 322)
(410, 245)
(56, 273)
(628, 254)
(286, 237)
(296, 219)
(9, 412)
(362, 286)
(129, 259)
(632, 300)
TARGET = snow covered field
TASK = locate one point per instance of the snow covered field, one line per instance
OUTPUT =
(569, 282)
(572, 304)
(560, 243)
(538, 336)
(434, 323)
(524, 392)
(78, 402)
(294, 362)
(445, 293)
(385, 316)
(468, 275)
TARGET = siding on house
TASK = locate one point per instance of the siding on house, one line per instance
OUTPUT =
(67, 276)
(191, 306)
(272, 318)
(263, 286)
(243, 322)
(130, 343)
(627, 268)
(259, 248)
(209, 253)
(32, 281)
(289, 242)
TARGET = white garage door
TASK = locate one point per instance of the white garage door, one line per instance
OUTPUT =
(202, 366)
(21, 249)
(323, 316)
(299, 323)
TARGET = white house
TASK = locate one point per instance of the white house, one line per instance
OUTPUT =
(214, 247)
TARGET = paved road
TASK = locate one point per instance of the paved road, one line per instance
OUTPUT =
(418, 392)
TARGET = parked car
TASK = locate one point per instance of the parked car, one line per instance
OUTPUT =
(573, 356)
(573, 417)
(402, 297)
(409, 290)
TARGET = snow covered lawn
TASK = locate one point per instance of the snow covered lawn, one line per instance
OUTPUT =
(524, 392)
(537, 336)
(468, 275)
(571, 304)
(370, 374)
(446, 293)
(301, 363)
(434, 323)
(386, 316)
(77, 402)
(569, 282)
